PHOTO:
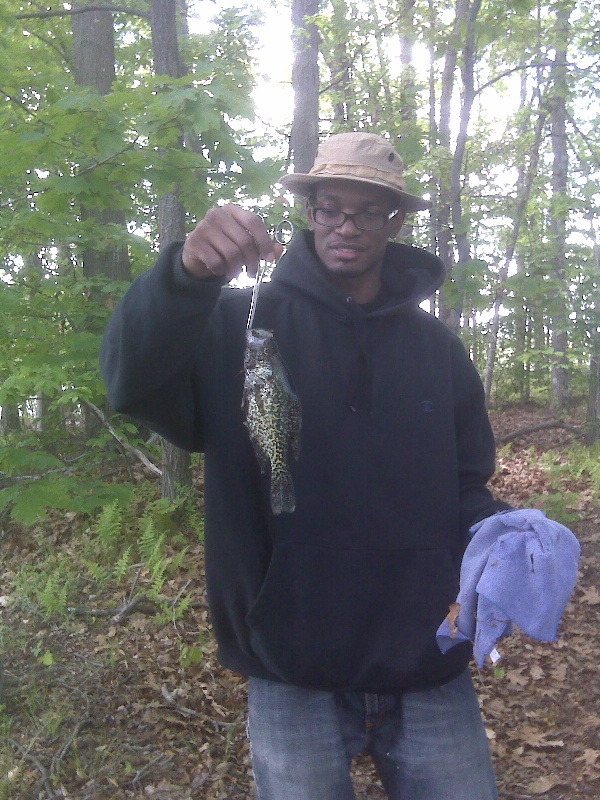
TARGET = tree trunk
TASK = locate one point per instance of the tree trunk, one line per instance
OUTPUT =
(593, 409)
(524, 184)
(522, 334)
(407, 36)
(559, 209)
(305, 82)
(384, 71)
(176, 471)
(165, 46)
(449, 203)
(10, 421)
(340, 68)
(457, 167)
(435, 140)
(93, 47)
(176, 463)
(94, 67)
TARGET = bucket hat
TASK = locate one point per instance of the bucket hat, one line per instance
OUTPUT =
(363, 157)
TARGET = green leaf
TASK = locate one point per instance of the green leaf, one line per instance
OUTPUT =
(47, 659)
(19, 459)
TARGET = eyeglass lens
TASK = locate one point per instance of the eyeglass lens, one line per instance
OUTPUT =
(363, 220)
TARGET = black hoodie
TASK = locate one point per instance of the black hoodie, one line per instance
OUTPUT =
(346, 592)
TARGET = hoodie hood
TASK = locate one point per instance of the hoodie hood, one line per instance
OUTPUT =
(409, 275)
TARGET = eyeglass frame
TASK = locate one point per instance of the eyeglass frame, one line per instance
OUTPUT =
(385, 216)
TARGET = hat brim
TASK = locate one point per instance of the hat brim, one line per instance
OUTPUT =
(302, 184)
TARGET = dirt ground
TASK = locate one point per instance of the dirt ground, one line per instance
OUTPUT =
(133, 710)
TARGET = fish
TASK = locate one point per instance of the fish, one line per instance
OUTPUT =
(273, 415)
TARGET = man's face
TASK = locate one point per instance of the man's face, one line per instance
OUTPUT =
(351, 256)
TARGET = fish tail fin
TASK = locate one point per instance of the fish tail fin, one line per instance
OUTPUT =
(282, 493)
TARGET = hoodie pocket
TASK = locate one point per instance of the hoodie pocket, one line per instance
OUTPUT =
(362, 619)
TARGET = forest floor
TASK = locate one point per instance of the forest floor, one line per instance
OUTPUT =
(99, 709)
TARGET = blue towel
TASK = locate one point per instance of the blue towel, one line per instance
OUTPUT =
(519, 567)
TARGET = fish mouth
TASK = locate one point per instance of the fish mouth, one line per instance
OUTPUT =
(254, 335)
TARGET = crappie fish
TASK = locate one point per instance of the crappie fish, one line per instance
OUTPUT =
(273, 415)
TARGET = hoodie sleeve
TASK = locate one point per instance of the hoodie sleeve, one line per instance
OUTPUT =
(150, 346)
(476, 449)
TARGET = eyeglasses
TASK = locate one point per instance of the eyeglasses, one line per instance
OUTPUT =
(364, 220)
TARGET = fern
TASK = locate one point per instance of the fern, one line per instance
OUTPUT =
(99, 573)
(46, 590)
(586, 460)
(108, 526)
(53, 596)
(577, 463)
(157, 575)
(180, 609)
(175, 562)
(123, 564)
(150, 541)
(151, 546)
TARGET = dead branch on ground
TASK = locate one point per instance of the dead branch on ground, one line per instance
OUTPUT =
(542, 426)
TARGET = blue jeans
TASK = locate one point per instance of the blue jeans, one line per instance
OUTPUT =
(428, 745)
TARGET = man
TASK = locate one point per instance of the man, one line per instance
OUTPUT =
(331, 610)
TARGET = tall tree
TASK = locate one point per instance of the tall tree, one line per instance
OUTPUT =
(176, 463)
(560, 204)
(305, 82)
(593, 404)
(10, 421)
(383, 71)
(335, 51)
(94, 68)
(526, 175)
(450, 217)
(407, 36)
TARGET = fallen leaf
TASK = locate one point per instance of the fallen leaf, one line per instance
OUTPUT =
(544, 784)
(516, 676)
(591, 596)
(589, 756)
(537, 673)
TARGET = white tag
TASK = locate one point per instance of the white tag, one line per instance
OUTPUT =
(495, 655)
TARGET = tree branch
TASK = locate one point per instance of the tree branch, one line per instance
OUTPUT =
(543, 426)
(91, 167)
(124, 444)
(23, 106)
(511, 71)
(140, 603)
(37, 763)
(66, 12)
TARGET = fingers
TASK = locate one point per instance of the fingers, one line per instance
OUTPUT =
(226, 240)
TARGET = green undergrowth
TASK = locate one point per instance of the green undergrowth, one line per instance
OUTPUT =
(141, 545)
(67, 580)
(573, 478)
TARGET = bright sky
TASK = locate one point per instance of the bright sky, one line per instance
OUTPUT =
(273, 96)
